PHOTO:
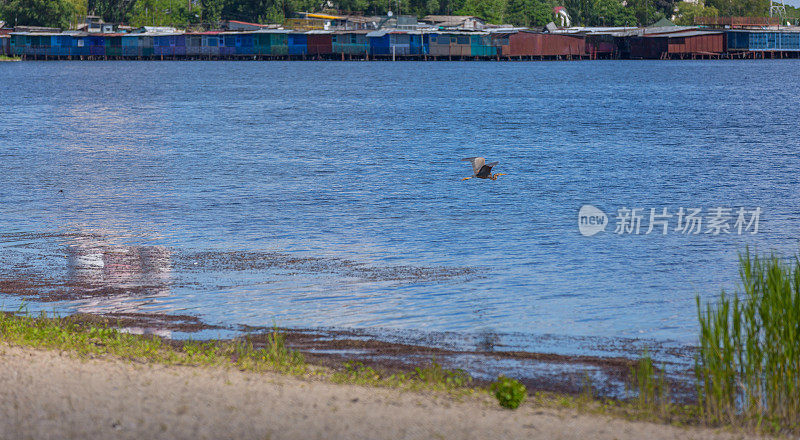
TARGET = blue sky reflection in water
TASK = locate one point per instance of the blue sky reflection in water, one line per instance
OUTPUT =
(329, 194)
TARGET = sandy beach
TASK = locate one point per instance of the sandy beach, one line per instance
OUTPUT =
(54, 395)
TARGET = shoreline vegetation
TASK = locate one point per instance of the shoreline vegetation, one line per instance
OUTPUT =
(747, 366)
(86, 341)
(54, 394)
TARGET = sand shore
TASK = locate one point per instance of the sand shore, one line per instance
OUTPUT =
(53, 395)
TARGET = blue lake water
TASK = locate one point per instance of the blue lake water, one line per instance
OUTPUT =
(328, 194)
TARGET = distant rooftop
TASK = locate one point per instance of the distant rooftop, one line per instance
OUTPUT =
(235, 25)
(155, 30)
(36, 29)
(454, 21)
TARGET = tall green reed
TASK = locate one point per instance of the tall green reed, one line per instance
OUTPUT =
(748, 364)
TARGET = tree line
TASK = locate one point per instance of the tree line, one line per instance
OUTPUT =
(206, 13)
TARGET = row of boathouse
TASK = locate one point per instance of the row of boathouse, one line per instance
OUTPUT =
(504, 44)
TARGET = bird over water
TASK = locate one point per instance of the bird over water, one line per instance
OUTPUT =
(481, 169)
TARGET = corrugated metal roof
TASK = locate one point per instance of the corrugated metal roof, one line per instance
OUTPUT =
(361, 19)
(667, 29)
(458, 32)
(163, 29)
(786, 29)
(683, 34)
(508, 30)
(41, 34)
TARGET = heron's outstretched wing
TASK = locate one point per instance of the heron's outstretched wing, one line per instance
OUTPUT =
(486, 170)
(477, 163)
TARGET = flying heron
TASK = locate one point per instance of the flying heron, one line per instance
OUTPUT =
(481, 169)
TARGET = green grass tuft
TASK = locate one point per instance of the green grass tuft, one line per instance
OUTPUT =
(98, 340)
(652, 389)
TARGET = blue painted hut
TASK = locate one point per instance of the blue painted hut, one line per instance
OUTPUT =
(350, 43)
(97, 44)
(169, 44)
(379, 42)
(130, 46)
(271, 42)
(245, 44)
(209, 45)
(298, 43)
(481, 45)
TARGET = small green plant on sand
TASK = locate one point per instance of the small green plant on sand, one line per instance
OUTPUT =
(509, 392)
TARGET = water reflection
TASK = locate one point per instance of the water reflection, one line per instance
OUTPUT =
(113, 277)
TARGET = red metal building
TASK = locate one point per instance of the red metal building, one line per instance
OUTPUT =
(536, 44)
(678, 44)
(320, 43)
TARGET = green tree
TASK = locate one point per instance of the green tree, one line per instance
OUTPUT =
(352, 5)
(600, 13)
(529, 12)
(211, 10)
(79, 7)
(493, 11)
(687, 12)
(258, 11)
(645, 11)
(163, 13)
(740, 8)
(581, 11)
(48, 13)
(665, 7)
(613, 13)
(112, 11)
(448, 7)
(431, 7)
